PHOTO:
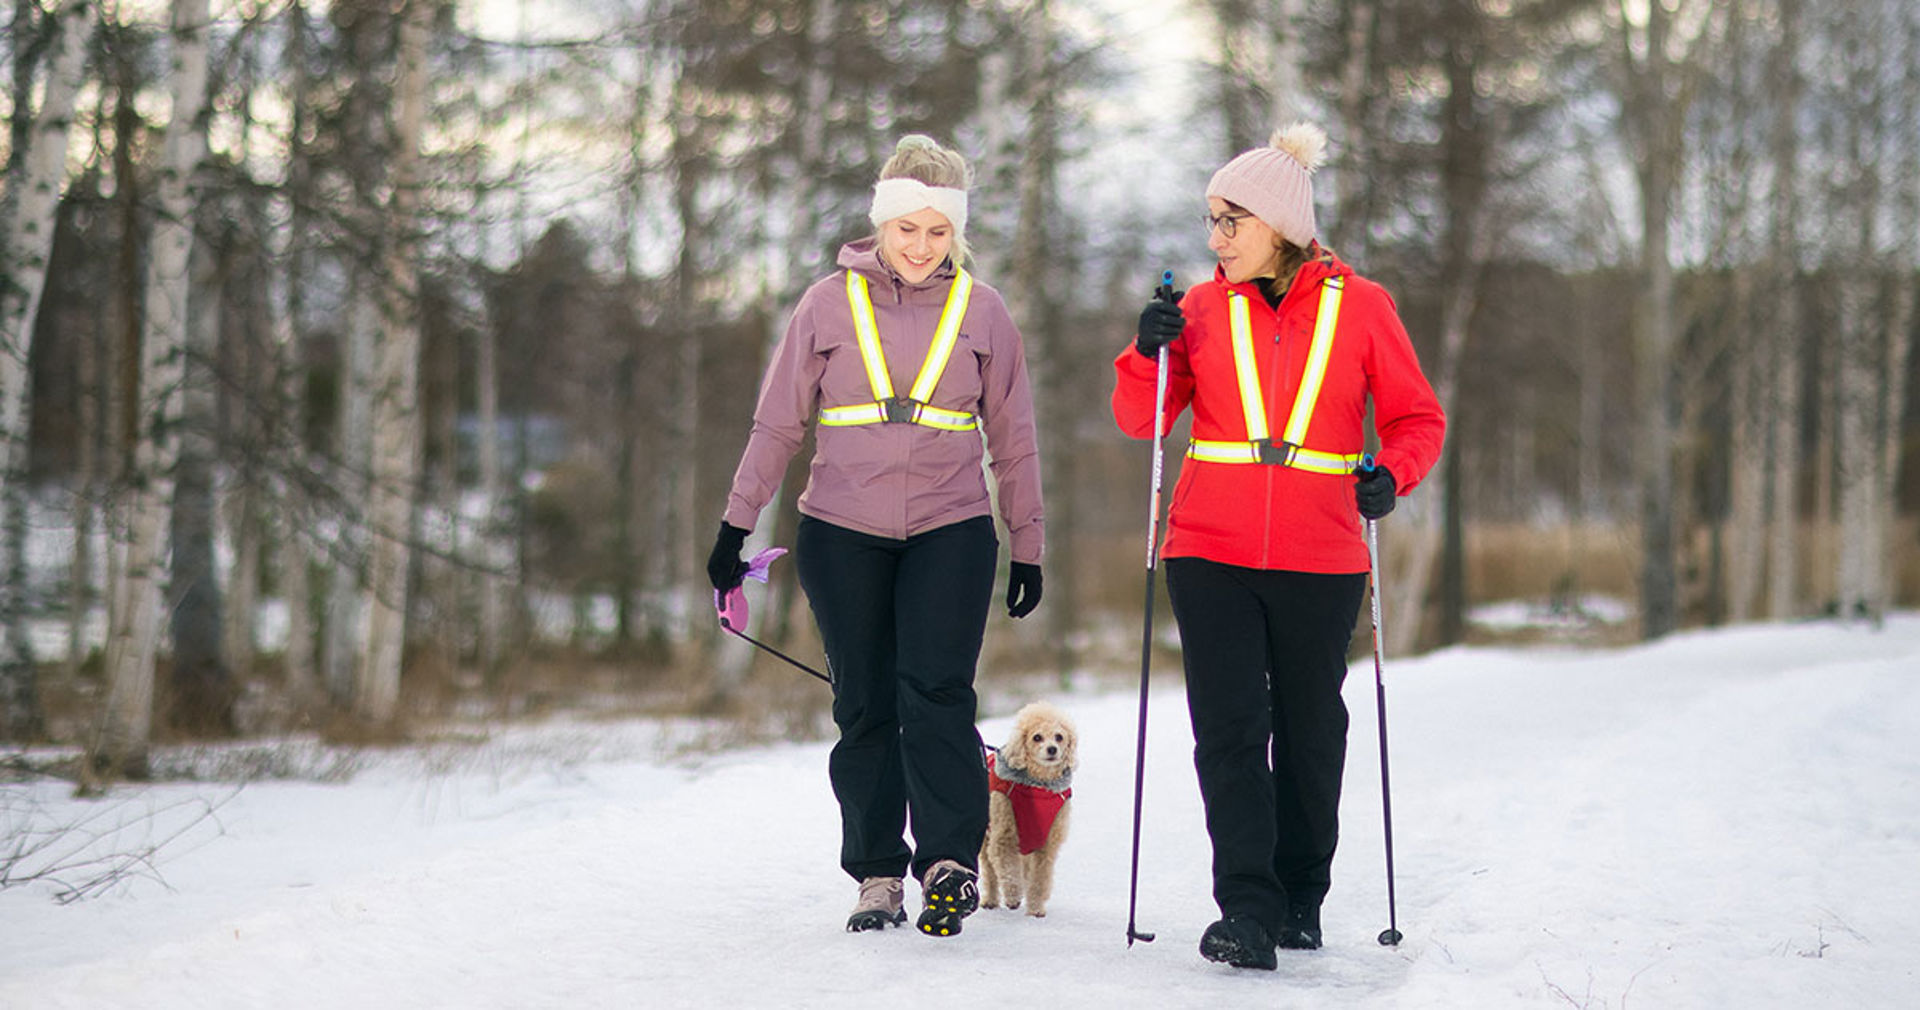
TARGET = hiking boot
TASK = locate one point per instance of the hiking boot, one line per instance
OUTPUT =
(1301, 931)
(882, 904)
(951, 892)
(1240, 941)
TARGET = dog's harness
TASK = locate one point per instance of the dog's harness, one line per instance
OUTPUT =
(1034, 805)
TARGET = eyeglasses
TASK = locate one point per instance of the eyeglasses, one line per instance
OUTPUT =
(1227, 223)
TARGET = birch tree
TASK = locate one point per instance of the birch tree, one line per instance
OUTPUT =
(288, 246)
(200, 694)
(136, 605)
(396, 416)
(1032, 286)
(1656, 73)
(1875, 303)
(36, 172)
(1733, 131)
(1779, 332)
(1470, 146)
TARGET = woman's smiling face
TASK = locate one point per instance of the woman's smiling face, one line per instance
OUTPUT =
(916, 244)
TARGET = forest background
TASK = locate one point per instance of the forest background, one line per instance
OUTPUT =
(368, 364)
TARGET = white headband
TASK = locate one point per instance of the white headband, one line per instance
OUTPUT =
(899, 197)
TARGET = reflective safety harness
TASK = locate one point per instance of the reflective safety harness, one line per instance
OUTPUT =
(913, 408)
(1259, 447)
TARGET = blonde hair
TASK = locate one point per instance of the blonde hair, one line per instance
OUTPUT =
(921, 158)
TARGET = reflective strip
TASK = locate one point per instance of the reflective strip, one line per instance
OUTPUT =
(1316, 373)
(1311, 460)
(1259, 447)
(859, 413)
(924, 414)
(944, 337)
(1253, 406)
(914, 409)
(868, 333)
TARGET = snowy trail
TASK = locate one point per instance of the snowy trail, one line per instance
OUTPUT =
(1725, 818)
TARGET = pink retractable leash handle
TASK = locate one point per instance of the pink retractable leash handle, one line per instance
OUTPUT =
(730, 606)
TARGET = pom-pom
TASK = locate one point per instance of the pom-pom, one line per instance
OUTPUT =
(1303, 142)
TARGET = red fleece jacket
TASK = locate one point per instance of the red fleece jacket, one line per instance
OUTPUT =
(1275, 517)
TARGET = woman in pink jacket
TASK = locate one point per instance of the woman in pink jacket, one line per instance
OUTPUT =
(1278, 355)
(905, 361)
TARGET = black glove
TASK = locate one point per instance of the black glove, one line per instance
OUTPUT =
(724, 567)
(1160, 324)
(1373, 490)
(1023, 589)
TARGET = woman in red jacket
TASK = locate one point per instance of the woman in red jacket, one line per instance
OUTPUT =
(1277, 356)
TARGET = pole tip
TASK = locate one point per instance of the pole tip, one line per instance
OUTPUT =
(1390, 937)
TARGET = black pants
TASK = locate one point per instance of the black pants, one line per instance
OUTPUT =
(902, 622)
(1266, 655)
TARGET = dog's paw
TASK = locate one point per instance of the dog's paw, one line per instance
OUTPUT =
(1037, 910)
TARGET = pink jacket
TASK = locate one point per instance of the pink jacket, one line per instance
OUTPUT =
(896, 480)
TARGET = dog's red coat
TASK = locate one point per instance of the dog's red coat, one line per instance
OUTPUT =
(1034, 808)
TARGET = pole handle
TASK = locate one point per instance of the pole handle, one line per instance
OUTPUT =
(1165, 291)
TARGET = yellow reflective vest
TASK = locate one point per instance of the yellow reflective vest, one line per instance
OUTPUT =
(1260, 447)
(885, 408)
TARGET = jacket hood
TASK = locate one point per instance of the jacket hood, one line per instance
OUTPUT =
(863, 255)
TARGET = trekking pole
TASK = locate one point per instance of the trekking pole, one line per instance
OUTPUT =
(1389, 937)
(1165, 293)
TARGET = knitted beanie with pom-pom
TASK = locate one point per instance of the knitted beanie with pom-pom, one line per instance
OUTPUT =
(1275, 182)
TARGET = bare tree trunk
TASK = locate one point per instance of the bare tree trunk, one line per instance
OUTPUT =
(1747, 460)
(1285, 18)
(679, 533)
(1659, 83)
(137, 608)
(1350, 181)
(1781, 332)
(1897, 330)
(1865, 352)
(807, 255)
(200, 687)
(396, 415)
(496, 555)
(1468, 147)
(1859, 386)
(32, 197)
(1036, 270)
(294, 547)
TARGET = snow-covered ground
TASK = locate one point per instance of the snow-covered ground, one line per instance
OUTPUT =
(1721, 819)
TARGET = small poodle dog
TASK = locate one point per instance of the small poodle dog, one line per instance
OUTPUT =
(1028, 810)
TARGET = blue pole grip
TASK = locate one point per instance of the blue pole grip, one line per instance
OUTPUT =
(1366, 462)
(1165, 291)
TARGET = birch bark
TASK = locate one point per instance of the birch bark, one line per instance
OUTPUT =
(136, 607)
